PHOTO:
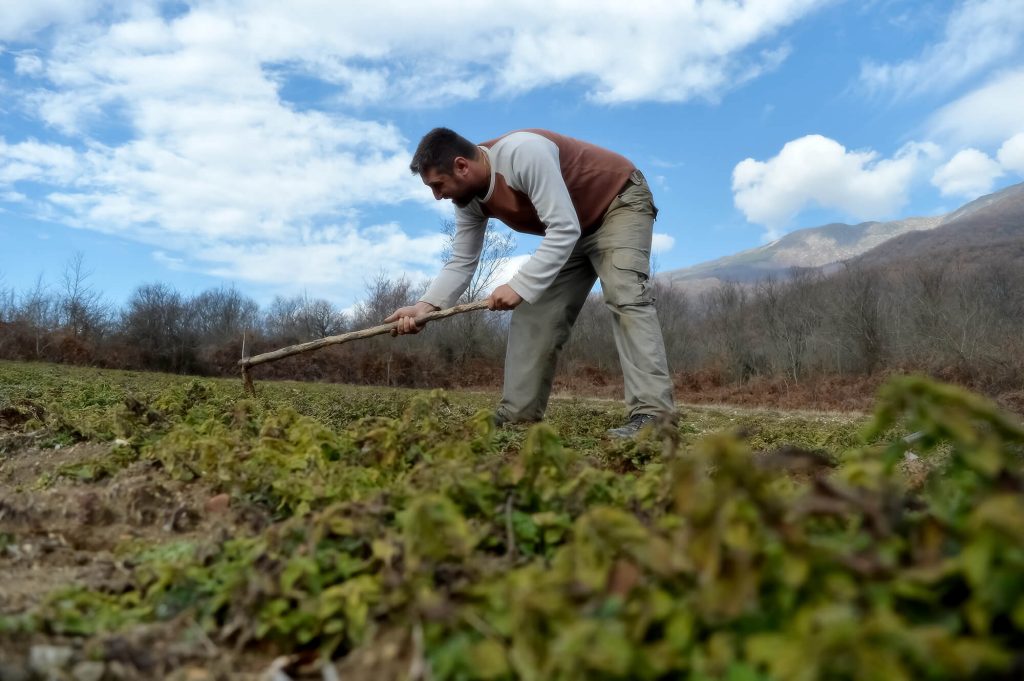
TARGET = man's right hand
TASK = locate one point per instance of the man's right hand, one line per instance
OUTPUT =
(406, 318)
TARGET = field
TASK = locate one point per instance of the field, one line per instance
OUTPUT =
(155, 526)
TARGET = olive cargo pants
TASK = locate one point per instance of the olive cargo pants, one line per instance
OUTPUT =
(619, 254)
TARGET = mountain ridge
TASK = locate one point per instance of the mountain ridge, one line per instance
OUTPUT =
(827, 246)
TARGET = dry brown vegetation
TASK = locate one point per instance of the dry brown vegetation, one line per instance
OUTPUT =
(810, 340)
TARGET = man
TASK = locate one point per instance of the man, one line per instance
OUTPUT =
(596, 214)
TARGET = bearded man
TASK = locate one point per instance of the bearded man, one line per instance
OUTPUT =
(595, 212)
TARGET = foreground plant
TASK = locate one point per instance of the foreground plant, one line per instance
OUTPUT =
(420, 542)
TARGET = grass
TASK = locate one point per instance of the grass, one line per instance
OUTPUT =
(397, 529)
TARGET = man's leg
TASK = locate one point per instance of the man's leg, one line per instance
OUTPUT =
(536, 334)
(621, 254)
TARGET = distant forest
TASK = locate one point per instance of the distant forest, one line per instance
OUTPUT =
(962, 322)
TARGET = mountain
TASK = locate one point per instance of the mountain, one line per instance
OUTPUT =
(985, 231)
(979, 222)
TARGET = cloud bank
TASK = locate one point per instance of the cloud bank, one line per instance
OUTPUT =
(818, 171)
(174, 126)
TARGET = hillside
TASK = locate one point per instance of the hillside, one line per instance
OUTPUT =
(990, 222)
(985, 231)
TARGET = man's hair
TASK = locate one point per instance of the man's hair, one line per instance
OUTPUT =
(438, 150)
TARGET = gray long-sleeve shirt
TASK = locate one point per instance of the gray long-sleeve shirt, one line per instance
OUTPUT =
(541, 183)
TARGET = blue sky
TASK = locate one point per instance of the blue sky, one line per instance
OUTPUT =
(265, 144)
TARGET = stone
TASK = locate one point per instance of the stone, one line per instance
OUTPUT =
(48, 661)
(10, 671)
(218, 504)
(88, 670)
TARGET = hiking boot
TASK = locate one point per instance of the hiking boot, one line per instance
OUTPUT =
(635, 425)
(500, 421)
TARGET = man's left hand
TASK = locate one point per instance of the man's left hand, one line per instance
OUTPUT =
(503, 298)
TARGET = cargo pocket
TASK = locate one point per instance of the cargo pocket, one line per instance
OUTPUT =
(637, 195)
(631, 272)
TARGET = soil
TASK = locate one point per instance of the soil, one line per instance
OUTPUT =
(57, 532)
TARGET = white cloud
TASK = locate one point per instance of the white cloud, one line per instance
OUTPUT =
(343, 258)
(28, 65)
(818, 171)
(662, 52)
(388, 52)
(13, 197)
(169, 261)
(1011, 154)
(20, 20)
(37, 162)
(215, 168)
(969, 174)
(988, 115)
(979, 34)
(662, 243)
(651, 51)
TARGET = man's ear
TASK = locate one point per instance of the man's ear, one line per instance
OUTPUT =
(460, 166)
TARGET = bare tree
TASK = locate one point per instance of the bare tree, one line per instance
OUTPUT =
(789, 315)
(476, 335)
(322, 318)
(675, 313)
(223, 315)
(383, 296)
(82, 309)
(591, 343)
(37, 314)
(858, 312)
(495, 254)
(301, 318)
(155, 322)
(729, 337)
(7, 302)
(281, 321)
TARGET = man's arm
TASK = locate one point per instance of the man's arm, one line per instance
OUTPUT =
(536, 170)
(454, 278)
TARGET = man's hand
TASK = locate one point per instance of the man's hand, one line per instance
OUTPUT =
(406, 318)
(503, 298)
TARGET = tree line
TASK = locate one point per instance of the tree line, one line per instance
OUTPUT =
(962, 322)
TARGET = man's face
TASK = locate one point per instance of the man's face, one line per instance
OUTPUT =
(454, 185)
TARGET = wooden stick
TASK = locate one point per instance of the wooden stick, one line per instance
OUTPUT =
(247, 362)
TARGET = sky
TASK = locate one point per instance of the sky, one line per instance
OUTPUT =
(265, 143)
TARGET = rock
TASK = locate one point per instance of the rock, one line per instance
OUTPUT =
(275, 672)
(189, 674)
(147, 503)
(49, 661)
(218, 504)
(118, 671)
(182, 520)
(13, 672)
(92, 510)
(88, 671)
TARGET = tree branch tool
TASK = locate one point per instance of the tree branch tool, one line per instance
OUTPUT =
(246, 363)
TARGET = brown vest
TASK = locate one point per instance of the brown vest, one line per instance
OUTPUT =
(593, 175)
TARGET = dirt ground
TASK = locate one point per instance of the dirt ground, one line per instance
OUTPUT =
(56, 531)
